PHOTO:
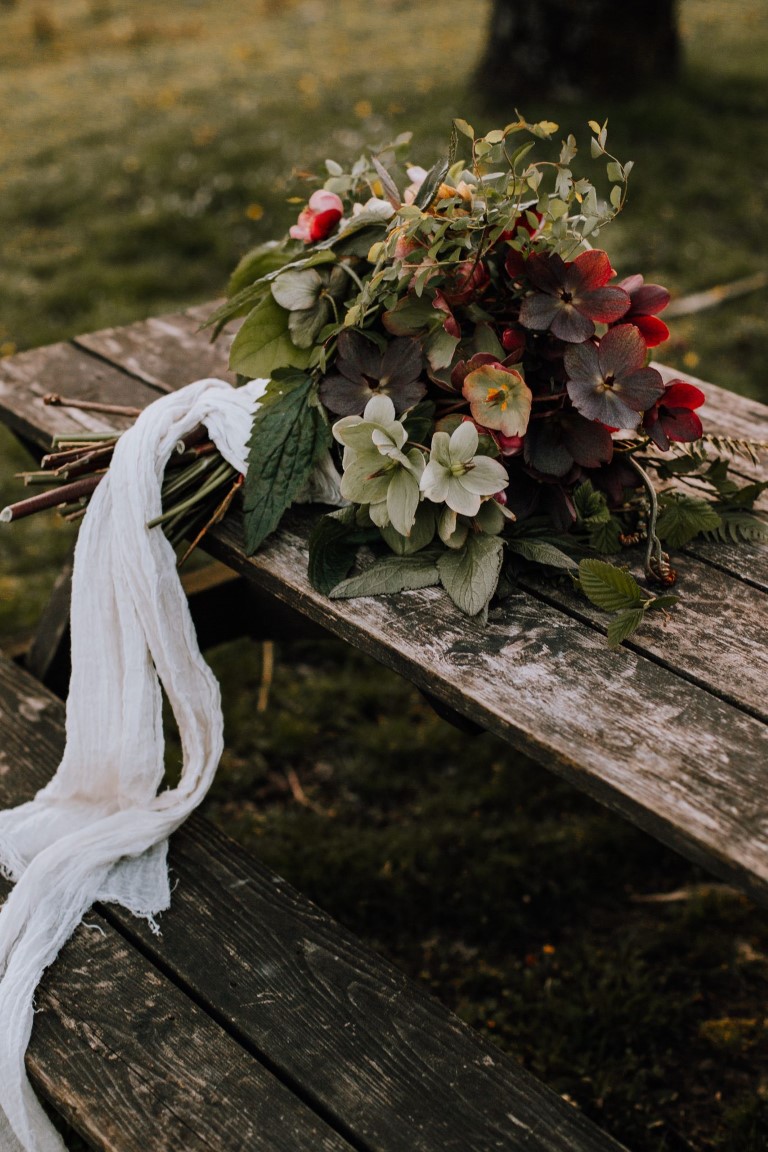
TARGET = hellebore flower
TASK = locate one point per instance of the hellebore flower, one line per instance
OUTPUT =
(466, 282)
(319, 218)
(672, 416)
(456, 476)
(499, 398)
(646, 300)
(363, 371)
(376, 470)
(610, 382)
(571, 295)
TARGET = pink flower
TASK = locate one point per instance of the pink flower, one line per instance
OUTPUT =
(319, 218)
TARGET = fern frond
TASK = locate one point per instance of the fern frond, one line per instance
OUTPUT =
(738, 527)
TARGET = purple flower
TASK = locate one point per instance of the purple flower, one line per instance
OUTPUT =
(364, 371)
(609, 382)
(571, 295)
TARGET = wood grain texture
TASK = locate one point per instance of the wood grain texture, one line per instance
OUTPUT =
(25, 379)
(383, 1062)
(675, 759)
(125, 1056)
(166, 352)
(717, 636)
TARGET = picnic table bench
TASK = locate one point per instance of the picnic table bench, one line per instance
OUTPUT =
(671, 731)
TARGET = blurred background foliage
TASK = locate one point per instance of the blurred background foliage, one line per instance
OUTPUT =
(143, 147)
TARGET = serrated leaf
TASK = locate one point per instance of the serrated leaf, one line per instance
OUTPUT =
(390, 575)
(682, 517)
(667, 600)
(264, 343)
(609, 587)
(288, 436)
(470, 574)
(591, 505)
(332, 550)
(624, 624)
(540, 552)
(604, 537)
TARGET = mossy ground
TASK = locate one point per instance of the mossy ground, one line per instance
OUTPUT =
(144, 148)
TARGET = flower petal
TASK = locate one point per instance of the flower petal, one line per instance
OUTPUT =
(460, 498)
(622, 351)
(590, 270)
(434, 480)
(485, 477)
(605, 305)
(463, 443)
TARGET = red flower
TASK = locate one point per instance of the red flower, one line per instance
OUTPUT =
(646, 300)
(319, 218)
(467, 282)
(571, 295)
(672, 416)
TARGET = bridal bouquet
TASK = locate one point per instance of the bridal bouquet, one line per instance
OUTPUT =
(455, 343)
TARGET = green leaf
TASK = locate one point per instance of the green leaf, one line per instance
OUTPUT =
(667, 600)
(605, 536)
(624, 624)
(333, 546)
(738, 526)
(389, 575)
(422, 532)
(440, 347)
(257, 263)
(591, 505)
(609, 587)
(470, 574)
(297, 291)
(305, 326)
(432, 182)
(682, 517)
(332, 550)
(465, 128)
(540, 552)
(409, 316)
(420, 421)
(288, 436)
(264, 343)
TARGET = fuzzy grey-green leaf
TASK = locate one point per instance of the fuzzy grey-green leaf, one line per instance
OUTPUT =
(470, 574)
(389, 575)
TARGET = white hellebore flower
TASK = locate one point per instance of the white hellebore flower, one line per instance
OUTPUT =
(456, 476)
(376, 470)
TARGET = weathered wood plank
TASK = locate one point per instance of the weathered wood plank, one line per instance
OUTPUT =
(128, 1059)
(684, 765)
(384, 1061)
(703, 639)
(166, 352)
(25, 379)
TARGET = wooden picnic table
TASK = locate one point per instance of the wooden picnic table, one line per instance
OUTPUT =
(671, 730)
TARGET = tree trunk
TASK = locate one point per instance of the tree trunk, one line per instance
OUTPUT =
(567, 48)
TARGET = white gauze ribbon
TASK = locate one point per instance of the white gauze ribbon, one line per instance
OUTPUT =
(99, 829)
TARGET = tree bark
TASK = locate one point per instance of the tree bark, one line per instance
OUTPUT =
(568, 48)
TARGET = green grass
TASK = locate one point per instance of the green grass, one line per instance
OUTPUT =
(143, 148)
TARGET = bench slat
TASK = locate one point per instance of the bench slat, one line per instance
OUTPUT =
(25, 379)
(166, 352)
(384, 1062)
(684, 765)
(703, 640)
